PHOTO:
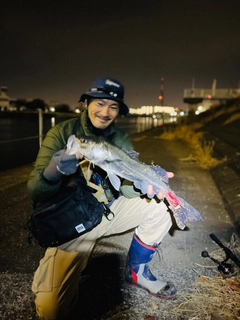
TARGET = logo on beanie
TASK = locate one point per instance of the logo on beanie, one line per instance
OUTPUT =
(111, 83)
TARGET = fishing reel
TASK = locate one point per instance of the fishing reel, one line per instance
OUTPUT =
(223, 267)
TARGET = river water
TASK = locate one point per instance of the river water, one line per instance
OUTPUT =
(19, 134)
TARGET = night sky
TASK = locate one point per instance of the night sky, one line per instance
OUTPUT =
(53, 50)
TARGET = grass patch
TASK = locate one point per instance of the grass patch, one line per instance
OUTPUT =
(202, 149)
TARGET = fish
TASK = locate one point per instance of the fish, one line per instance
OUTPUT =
(119, 163)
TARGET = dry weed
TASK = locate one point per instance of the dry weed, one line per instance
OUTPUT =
(204, 156)
(221, 112)
(216, 298)
(233, 118)
(202, 149)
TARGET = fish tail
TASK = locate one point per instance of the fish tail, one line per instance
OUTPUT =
(182, 210)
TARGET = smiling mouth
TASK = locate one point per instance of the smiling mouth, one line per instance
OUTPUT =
(104, 119)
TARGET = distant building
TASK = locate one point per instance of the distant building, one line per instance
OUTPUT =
(4, 99)
(200, 99)
(12, 104)
(7, 103)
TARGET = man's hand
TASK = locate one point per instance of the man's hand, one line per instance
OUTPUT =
(61, 164)
(66, 164)
(170, 175)
(147, 188)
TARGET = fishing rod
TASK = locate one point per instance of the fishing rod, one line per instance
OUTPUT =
(229, 253)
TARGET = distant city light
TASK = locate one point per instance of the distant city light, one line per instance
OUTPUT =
(52, 109)
(152, 109)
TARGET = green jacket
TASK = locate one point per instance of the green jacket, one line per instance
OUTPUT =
(39, 189)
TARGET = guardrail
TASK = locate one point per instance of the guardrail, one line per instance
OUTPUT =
(22, 134)
(20, 139)
(16, 150)
(40, 128)
(132, 121)
(41, 135)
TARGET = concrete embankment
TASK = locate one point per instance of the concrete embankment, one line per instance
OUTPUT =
(222, 125)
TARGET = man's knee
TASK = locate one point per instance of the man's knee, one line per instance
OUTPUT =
(156, 225)
(47, 305)
(50, 306)
(159, 213)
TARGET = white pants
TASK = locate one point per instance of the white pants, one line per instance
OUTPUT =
(56, 282)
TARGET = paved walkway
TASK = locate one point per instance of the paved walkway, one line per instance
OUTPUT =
(104, 294)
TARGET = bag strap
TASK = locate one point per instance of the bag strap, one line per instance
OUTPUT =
(87, 172)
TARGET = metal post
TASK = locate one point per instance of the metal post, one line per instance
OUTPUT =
(162, 92)
(193, 88)
(214, 85)
(40, 126)
(162, 97)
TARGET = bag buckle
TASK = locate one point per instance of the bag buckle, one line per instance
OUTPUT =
(108, 213)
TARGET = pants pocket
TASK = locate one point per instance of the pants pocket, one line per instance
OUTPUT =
(43, 277)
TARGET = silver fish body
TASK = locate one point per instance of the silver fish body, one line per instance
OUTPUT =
(119, 163)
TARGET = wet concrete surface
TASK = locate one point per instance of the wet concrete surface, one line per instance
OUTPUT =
(103, 291)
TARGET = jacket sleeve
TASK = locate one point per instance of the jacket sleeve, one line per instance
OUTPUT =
(128, 191)
(39, 189)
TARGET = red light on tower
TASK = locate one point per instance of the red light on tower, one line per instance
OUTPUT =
(161, 97)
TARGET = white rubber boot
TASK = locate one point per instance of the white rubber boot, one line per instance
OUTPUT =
(139, 274)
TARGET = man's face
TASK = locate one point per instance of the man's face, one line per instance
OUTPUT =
(102, 112)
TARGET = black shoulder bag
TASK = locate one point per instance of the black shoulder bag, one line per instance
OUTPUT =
(67, 215)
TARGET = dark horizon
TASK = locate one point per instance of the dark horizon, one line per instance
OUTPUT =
(53, 51)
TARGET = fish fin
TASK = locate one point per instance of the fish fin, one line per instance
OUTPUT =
(141, 185)
(182, 210)
(115, 181)
(161, 172)
(71, 143)
(132, 154)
